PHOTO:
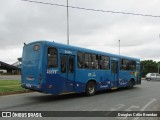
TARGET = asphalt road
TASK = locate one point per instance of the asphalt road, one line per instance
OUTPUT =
(145, 97)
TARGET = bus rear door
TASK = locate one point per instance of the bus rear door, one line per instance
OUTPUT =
(68, 72)
(114, 74)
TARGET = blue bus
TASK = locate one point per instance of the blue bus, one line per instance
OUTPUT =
(55, 68)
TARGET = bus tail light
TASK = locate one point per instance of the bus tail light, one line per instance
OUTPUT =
(30, 78)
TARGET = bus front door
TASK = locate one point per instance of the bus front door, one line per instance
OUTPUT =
(114, 74)
(68, 72)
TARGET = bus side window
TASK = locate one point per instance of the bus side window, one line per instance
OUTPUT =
(94, 61)
(133, 65)
(52, 57)
(80, 60)
(91, 61)
(104, 62)
(128, 64)
(123, 64)
(86, 60)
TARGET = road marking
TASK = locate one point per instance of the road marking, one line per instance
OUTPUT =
(117, 107)
(153, 100)
(128, 109)
(133, 106)
(143, 108)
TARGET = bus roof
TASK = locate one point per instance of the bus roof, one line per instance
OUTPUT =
(49, 43)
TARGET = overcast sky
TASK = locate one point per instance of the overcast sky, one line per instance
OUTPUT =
(27, 22)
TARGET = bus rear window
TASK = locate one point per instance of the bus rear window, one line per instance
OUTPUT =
(36, 48)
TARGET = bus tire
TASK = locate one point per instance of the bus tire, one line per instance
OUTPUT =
(90, 88)
(130, 84)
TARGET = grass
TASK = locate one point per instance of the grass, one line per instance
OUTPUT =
(10, 86)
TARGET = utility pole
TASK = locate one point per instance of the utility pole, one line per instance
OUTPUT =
(67, 24)
(158, 63)
(119, 46)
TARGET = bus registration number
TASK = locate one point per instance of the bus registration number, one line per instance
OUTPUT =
(28, 85)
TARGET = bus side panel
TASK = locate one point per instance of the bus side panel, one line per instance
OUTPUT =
(58, 81)
(54, 83)
(126, 76)
(123, 78)
(102, 79)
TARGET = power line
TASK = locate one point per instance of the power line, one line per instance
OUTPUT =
(96, 10)
(112, 45)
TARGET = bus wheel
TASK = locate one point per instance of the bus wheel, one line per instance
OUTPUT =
(130, 84)
(90, 88)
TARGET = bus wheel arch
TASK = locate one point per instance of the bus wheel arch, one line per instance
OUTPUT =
(90, 89)
(131, 83)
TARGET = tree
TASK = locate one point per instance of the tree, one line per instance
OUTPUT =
(149, 66)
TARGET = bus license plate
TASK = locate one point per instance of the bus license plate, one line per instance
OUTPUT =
(28, 85)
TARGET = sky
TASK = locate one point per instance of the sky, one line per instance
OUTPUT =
(24, 22)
